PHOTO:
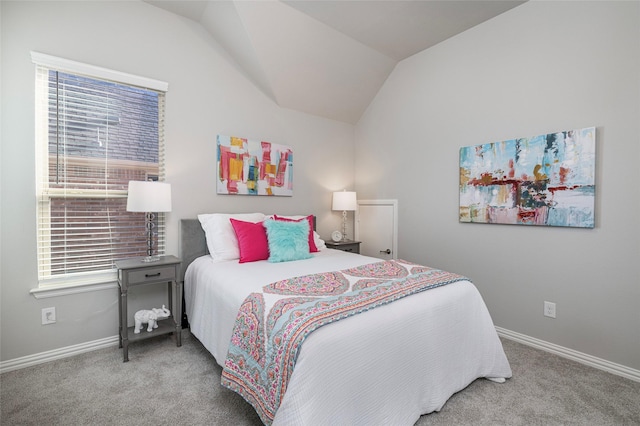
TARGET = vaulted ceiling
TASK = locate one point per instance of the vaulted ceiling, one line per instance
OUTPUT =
(329, 58)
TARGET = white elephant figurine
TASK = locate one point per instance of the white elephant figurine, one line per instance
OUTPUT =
(150, 317)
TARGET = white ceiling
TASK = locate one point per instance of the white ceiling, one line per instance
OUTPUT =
(329, 58)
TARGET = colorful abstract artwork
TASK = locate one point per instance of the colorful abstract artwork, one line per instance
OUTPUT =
(252, 167)
(546, 180)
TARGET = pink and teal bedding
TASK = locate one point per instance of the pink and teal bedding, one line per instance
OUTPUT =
(387, 365)
(272, 324)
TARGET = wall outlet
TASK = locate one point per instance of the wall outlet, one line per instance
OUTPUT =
(549, 309)
(48, 315)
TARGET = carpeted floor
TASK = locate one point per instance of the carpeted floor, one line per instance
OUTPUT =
(166, 385)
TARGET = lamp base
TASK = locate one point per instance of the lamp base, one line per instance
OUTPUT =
(150, 225)
(149, 259)
(344, 226)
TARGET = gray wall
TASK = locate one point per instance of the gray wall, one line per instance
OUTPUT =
(207, 96)
(539, 68)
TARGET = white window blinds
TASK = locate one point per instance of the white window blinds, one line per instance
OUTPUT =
(93, 135)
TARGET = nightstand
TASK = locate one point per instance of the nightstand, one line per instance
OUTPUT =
(350, 246)
(133, 272)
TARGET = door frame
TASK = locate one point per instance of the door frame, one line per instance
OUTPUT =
(392, 203)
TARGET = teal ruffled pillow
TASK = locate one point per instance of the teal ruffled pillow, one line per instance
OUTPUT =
(287, 240)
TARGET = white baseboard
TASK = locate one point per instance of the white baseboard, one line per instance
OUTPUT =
(42, 357)
(580, 357)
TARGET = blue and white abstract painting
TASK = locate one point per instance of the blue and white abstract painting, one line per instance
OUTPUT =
(546, 180)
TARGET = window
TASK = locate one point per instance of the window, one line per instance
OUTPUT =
(96, 130)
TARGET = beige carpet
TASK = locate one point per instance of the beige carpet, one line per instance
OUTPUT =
(166, 385)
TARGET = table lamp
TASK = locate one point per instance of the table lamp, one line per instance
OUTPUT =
(149, 197)
(345, 201)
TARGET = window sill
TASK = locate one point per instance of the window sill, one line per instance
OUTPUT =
(64, 287)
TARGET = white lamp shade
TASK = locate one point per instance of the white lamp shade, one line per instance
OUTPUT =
(149, 196)
(345, 201)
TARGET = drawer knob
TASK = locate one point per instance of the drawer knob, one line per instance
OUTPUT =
(157, 274)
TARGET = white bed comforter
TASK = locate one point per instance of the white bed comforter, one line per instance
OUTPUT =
(386, 366)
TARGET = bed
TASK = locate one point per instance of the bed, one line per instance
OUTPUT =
(387, 365)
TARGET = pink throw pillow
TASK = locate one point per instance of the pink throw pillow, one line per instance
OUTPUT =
(312, 244)
(252, 240)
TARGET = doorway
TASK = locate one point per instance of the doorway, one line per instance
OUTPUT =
(376, 226)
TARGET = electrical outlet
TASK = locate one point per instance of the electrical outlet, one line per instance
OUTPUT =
(48, 315)
(549, 309)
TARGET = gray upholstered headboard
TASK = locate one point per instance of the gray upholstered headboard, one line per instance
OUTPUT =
(193, 243)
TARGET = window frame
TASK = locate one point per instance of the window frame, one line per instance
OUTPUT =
(77, 282)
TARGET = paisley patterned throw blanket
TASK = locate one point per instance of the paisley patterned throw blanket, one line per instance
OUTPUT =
(271, 325)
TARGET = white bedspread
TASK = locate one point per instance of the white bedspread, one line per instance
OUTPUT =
(385, 366)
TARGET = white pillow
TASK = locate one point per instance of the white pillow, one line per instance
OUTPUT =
(221, 238)
(319, 242)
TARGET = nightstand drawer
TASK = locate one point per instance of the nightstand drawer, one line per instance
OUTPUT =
(353, 248)
(152, 274)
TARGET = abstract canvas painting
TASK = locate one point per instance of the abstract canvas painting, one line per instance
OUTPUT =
(253, 167)
(546, 180)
